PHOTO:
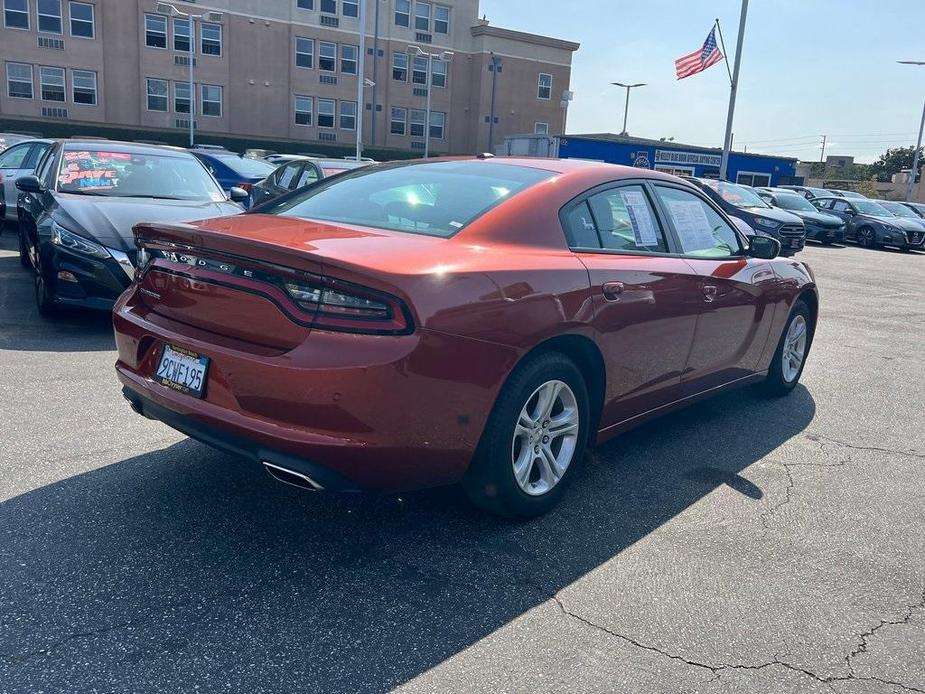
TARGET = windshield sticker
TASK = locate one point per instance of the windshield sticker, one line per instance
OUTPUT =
(640, 218)
(692, 224)
(90, 178)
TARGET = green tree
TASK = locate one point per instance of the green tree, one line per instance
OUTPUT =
(892, 162)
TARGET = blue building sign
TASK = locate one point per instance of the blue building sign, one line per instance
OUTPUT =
(680, 160)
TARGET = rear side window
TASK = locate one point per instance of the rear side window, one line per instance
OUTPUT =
(581, 229)
(701, 230)
(15, 157)
(624, 221)
(822, 204)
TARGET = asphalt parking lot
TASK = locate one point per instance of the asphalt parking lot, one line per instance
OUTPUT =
(744, 545)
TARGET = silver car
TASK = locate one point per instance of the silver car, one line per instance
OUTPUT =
(18, 160)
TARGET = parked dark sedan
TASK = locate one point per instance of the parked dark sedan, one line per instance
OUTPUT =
(872, 225)
(743, 202)
(292, 175)
(900, 209)
(916, 207)
(820, 226)
(839, 192)
(77, 212)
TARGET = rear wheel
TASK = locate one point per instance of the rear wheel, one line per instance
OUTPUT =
(792, 350)
(534, 440)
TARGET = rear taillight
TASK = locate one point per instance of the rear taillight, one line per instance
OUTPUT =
(349, 307)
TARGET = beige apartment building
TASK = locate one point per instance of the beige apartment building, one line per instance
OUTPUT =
(279, 71)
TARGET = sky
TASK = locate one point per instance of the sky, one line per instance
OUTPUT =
(809, 68)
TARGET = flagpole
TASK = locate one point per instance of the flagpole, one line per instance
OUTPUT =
(722, 43)
(727, 141)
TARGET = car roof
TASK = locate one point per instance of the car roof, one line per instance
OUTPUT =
(76, 144)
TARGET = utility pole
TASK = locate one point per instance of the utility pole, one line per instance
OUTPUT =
(727, 141)
(910, 190)
(822, 154)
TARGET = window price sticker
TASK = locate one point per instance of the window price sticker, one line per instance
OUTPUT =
(640, 218)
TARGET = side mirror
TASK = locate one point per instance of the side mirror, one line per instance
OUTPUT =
(30, 184)
(238, 195)
(763, 247)
(849, 212)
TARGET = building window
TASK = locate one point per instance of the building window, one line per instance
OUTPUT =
(304, 52)
(19, 80)
(327, 56)
(49, 12)
(157, 95)
(211, 35)
(544, 87)
(437, 123)
(402, 13)
(540, 128)
(422, 16)
(51, 81)
(399, 121)
(181, 35)
(325, 113)
(181, 97)
(16, 14)
(155, 31)
(211, 101)
(305, 4)
(303, 110)
(418, 118)
(438, 73)
(83, 24)
(329, 6)
(350, 8)
(419, 74)
(348, 59)
(83, 87)
(400, 67)
(441, 20)
(348, 115)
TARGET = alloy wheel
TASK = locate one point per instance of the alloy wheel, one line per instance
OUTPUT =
(545, 438)
(794, 351)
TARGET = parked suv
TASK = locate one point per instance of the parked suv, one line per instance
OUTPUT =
(872, 225)
(820, 226)
(743, 202)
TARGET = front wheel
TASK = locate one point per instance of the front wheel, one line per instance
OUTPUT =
(44, 297)
(792, 350)
(867, 237)
(23, 249)
(534, 440)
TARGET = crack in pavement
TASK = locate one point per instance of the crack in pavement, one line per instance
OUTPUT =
(822, 438)
(718, 669)
(865, 636)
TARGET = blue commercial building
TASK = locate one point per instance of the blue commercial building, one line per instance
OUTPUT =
(679, 159)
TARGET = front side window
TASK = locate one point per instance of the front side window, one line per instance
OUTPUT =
(437, 124)
(702, 231)
(422, 16)
(438, 73)
(870, 207)
(544, 86)
(303, 110)
(348, 59)
(15, 157)
(309, 176)
(400, 67)
(181, 97)
(19, 80)
(49, 12)
(16, 14)
(326, 113)
(441, 20)
(624, 221)
(348, 115)
(304, 52)
(211, 38)
(83, 24)
(211, 100)
(350, 8)
(419, 74)
(52, 83)
(83, 87)
(327, 56)
(398, 121)
(155, 31)
(329, 6)
(434, 199)
(418, 119)
(157, 95)
(402, 13)
(182, 41)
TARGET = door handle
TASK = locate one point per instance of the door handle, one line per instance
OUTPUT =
(709, 292)
(612, 290)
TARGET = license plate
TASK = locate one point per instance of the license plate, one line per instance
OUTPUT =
(182, 370)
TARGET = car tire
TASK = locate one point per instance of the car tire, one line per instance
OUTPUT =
(783, 376)
(522, 471)
(23, 249)
(867, 237)
(44, 297)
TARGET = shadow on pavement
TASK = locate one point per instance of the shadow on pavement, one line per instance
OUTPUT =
(183, 567)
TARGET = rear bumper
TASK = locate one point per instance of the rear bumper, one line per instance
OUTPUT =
(354, 412)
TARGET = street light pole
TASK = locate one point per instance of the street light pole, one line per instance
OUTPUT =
(918, 145)
(361, 80)
(443, 56)
(626, 109)
(173, 11)
(495, 62)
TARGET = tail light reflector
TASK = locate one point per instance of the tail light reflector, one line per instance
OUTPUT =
(349, 307)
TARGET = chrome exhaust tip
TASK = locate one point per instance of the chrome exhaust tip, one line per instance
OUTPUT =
(291, 477)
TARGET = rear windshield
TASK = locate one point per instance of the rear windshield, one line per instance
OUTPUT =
(245, 166)
(794, 202)
(436, 199)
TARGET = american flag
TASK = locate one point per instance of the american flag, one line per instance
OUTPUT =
(699, 60)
